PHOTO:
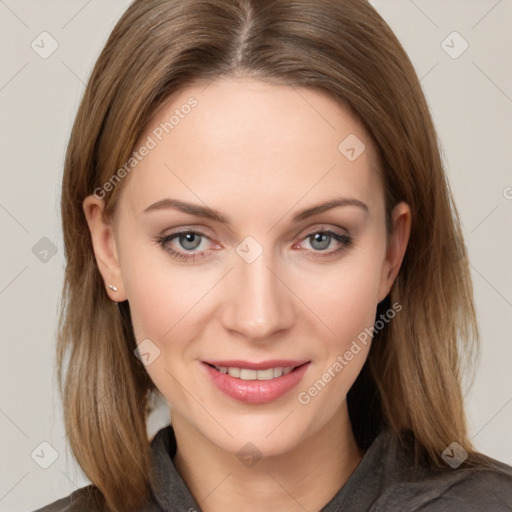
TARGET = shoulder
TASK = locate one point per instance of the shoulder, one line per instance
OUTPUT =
(465, 490)
(484, 485)
(83, 499)
(90, 498)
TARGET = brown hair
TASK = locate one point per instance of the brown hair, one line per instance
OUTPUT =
(411, 380)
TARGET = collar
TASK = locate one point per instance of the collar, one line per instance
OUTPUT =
(169, 489)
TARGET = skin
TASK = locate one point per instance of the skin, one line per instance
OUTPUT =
(258, 153)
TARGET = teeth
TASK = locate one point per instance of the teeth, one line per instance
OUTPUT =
(265, 374)
(246, 374)
(234, 372)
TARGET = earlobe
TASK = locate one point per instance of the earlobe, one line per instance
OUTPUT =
(105, 249)
(399, 238)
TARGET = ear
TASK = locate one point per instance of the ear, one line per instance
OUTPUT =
(401, 228)
(105, 249)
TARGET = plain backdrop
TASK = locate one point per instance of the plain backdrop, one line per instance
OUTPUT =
(467, 78)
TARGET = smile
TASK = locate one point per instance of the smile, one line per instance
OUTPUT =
(267, 383)
(248, 374)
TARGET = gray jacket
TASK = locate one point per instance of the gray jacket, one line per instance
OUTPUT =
(385, 480)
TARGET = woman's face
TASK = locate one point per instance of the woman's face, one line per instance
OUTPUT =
(262, 285)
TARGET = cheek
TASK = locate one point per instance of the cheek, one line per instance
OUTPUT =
(159, 293)
(359, 301)
(345, 299)
(164, 302)
(348, 307)
(346, 303)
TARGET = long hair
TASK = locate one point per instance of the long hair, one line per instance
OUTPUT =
(411, 381)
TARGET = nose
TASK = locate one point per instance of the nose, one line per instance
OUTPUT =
(257, 302)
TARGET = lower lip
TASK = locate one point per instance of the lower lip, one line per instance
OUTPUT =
(256, 391)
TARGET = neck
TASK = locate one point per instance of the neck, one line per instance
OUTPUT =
(218, 481)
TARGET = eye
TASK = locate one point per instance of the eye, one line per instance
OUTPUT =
(189, 240)
(320, 241)
(186, 241)
(323, 239)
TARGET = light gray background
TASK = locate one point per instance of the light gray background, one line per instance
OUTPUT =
(471, 101)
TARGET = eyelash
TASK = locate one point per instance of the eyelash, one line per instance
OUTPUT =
(344, 240)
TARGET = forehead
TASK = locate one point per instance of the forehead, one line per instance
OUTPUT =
(252, 142)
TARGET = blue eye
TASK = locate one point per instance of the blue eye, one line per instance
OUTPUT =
(321, 240)
(189, 241)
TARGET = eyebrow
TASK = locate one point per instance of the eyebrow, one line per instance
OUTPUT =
(209, 213)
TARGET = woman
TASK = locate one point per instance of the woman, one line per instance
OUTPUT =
(258, 226)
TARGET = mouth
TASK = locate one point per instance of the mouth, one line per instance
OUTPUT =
(255, 383)
(257, 371)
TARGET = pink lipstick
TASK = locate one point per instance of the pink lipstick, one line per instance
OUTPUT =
(255, 383)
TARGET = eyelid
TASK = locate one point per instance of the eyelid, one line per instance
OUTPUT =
(324, 227)
(304, 233)
(345, 240)
(165, 239)
(199, 232)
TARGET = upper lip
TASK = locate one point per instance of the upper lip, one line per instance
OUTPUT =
(263, 365)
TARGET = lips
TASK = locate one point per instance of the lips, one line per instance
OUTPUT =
(245, 374)
(255, 391)
(263, 365)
